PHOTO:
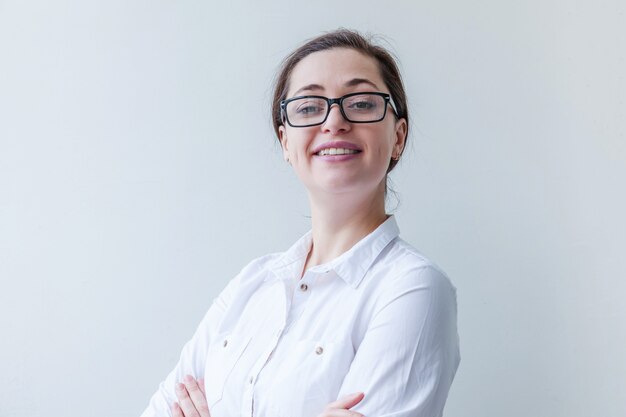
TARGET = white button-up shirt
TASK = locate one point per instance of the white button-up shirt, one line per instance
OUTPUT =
(379, 319)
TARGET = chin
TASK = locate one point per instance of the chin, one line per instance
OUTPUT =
(342, 187)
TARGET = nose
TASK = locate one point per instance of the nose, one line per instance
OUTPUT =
(335, 122)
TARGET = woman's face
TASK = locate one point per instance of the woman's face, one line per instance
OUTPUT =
(334, 73)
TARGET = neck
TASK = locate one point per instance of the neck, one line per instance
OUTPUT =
(340, 221)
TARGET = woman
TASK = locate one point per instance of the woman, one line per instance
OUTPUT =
(350, 311)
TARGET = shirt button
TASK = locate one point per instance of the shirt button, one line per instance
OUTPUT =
(304, 287)
(225, 342)
(319, 350)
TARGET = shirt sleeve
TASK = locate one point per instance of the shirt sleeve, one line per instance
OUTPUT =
(409, 355)
(193, 356)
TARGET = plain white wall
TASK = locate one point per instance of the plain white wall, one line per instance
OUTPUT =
(139, 173)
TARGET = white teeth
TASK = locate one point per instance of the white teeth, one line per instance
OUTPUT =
(336, 151)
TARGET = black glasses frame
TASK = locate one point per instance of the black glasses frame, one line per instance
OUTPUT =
(339, 102)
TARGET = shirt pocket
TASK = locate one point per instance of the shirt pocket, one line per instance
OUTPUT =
(222, 356)
(311, 377)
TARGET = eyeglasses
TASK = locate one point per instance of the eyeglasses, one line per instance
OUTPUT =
(305, 111)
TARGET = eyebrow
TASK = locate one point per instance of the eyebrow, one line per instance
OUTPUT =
(356, 81)
(310, 87)
(352, 83)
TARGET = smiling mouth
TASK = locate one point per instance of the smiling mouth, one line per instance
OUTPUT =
(337, 151)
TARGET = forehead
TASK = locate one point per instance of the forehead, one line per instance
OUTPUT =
(333, 68)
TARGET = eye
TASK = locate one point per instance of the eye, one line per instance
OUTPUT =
(362, 104)
(310, 107)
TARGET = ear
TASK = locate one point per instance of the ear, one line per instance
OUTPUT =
(400, 136)
(282, 137)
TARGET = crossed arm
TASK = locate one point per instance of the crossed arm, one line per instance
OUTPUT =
(192, 402)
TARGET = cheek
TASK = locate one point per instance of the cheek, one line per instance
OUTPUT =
(384, 150)
(299, 154)
(383, 138)
(383, 146)
(299, 142)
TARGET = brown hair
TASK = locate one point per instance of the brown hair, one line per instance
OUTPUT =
(342, 38)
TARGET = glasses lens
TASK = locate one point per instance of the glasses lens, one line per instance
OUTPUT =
(306, 111)
(364, 107)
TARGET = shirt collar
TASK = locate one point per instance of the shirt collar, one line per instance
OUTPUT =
(351, 266)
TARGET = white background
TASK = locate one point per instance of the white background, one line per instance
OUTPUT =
(139, 173)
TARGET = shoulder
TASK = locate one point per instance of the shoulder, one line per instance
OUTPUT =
(403, 262)
(249, 279)
(261, 262)
(257, 269)
(403, 271)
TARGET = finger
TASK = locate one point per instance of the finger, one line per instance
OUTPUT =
(176, 411)
(185, 401)
(197, 396)
(201, 385)
(337, 412)
(346, 402)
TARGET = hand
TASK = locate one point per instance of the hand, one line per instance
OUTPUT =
(341, 407)
(191, 399)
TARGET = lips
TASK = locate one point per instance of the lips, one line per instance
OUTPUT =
(336, 151)
(336, 147)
